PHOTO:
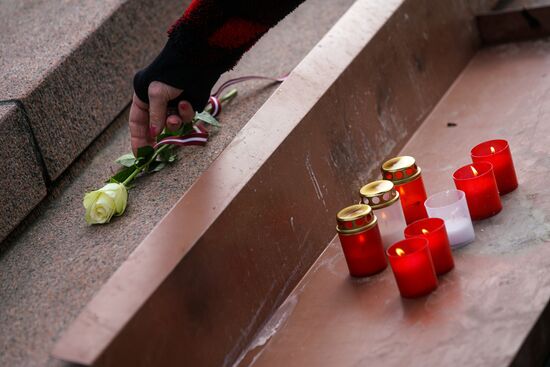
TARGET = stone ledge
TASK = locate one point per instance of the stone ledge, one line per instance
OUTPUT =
(492, 310)
(22, 185)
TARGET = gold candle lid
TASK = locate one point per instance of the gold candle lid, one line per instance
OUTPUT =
(379, 194)
(400, 170)
(355, 218)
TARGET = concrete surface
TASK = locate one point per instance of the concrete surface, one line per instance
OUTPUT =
(21, 183)
(492, 309)
(55, 263)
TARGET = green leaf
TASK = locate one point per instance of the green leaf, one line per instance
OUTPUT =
(167, 134)
(122, 175)
(157, 166)
(168, 155)
(168, 158)
(144, 154)
(184, 129)
(127, 160)
(208, 118)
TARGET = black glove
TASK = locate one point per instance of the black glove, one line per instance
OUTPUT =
(170, 67)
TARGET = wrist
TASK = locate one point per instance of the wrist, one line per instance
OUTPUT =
(174, 68)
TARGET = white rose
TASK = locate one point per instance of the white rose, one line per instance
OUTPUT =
(102, 204)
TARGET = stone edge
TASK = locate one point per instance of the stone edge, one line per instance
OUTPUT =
(23, 186)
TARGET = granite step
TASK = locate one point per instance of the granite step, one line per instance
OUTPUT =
(67, 68)
(53, 263)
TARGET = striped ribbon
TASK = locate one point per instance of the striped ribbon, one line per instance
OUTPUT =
(200, 135)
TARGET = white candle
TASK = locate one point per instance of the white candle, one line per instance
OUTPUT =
(391, 222)
(451, 206)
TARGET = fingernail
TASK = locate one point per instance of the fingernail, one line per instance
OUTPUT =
(183, 105)
(153, 131)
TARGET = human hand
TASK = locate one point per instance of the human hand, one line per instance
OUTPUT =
(148, 120)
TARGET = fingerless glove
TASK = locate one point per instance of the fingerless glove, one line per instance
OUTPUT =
(208, 40)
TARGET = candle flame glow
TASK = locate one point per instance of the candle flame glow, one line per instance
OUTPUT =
(399, 252)
(493, 150)
(425, 231)
(474, 171)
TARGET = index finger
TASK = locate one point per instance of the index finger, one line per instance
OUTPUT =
(139, 125)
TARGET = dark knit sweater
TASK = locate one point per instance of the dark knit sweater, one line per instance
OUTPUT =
(208, 40)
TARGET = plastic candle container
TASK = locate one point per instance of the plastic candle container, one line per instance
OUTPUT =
(451, 206)
(477, 180)
(383, 198)
(497, 152)
(412, 266)
(406, 176)
(359, 235)
(433, 229)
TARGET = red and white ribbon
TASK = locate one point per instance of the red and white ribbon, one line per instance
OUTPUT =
(215, 97)
(216, 105)
(200, 135)
(241, 79)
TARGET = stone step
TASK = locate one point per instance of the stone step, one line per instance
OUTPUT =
(54, 263)
(68, 67)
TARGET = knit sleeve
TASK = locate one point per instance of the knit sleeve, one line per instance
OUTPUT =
(209, 39)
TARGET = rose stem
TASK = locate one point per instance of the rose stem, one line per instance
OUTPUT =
(226, 97)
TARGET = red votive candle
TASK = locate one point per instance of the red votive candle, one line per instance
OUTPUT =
(412, 266)
(407, 178)
(433, 229)
(477, 180)
(361, 241)
(497, 152)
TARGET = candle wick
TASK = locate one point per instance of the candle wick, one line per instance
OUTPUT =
(399, 252)
(492, 150)
(425, 231)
